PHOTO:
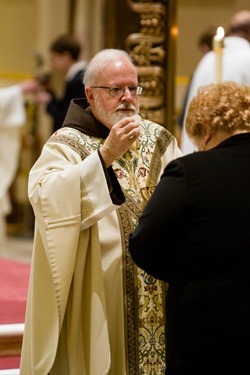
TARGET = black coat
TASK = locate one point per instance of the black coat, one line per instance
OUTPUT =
(58, 107)
(195, 234)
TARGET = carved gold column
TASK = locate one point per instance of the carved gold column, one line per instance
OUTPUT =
(153, 49)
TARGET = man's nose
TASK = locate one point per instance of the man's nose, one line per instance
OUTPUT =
(126, 95)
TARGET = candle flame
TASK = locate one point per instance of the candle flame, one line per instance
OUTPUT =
(218, 45)
(220, 33)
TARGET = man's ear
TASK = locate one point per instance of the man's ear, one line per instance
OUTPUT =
(89, 95)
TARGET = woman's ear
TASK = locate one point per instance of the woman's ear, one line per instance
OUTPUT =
(206, 139)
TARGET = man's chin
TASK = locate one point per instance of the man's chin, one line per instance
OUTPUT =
(125, 113)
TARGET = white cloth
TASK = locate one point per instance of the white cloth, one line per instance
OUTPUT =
(12, 117)
(235, 67)
(80, 296)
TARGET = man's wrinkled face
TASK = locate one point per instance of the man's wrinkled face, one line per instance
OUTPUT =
(114, 94)
(110, 111)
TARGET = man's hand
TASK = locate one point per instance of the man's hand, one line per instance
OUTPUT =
(122, 135)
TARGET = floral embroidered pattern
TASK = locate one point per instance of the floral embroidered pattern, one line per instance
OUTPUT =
(137, 170)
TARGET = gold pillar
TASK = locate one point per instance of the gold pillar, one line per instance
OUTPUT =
(149, 35)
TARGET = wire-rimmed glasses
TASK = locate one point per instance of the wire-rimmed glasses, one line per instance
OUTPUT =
(119, 91)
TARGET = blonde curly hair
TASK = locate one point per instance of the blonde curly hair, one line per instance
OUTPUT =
(219, 107)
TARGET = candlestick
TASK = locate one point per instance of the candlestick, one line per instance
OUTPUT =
(218, 45)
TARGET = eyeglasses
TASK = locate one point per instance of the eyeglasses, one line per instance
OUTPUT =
(119, 91)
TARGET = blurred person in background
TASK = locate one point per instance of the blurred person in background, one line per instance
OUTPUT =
(235, 64)
(12, 117)
(199, 213)
(205, 45)
(65, 53)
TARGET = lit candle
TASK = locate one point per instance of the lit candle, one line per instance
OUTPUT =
(218, 44)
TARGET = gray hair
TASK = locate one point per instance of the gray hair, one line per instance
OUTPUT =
(100, 61)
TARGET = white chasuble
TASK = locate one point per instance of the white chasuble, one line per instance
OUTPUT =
(104, 316)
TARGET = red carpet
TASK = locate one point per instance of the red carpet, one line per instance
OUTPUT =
(14, 278)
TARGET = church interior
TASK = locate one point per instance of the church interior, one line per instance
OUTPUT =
(163, 38)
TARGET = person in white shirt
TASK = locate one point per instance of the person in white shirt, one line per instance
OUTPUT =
(235, 64)
(12, 117)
